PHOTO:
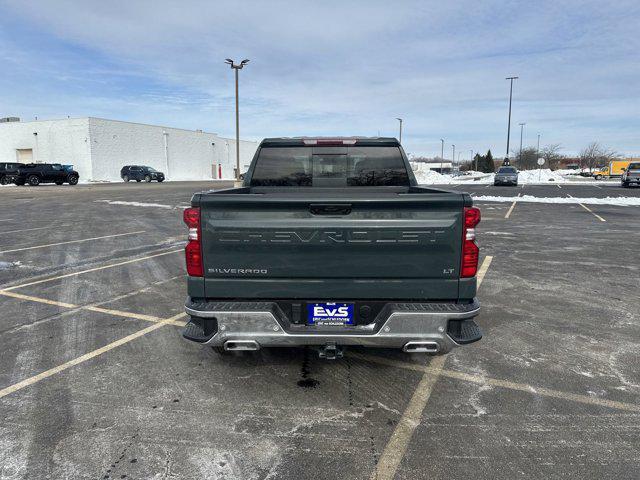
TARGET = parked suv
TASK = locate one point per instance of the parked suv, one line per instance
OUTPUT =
(631, 175)
(506, 176)
(8, 172)
(37, 173)
(139, 173)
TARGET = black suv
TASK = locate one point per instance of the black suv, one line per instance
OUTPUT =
(631, 175)
(139, 172)
(37, 173)
(8, 172)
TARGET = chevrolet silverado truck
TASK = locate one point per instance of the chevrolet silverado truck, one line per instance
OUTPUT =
(328, 243)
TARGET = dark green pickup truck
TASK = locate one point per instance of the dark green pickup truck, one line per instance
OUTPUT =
(331, 242)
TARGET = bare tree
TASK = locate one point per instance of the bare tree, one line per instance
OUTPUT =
(596, 155)
(526, 159)
(551, 155)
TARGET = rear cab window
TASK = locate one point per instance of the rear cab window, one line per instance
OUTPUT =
(305, 166)
(506, 170)
(634, 166)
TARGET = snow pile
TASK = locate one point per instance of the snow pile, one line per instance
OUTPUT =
(544, 175)
(619, 201)
(432, 177)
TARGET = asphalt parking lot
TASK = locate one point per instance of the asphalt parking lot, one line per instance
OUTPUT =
(96, 382)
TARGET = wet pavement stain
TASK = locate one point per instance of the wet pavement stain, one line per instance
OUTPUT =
(306, 381)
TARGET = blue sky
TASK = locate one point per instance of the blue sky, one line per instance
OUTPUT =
(334, 68)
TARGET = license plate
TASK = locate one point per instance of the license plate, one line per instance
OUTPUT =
(330, 314)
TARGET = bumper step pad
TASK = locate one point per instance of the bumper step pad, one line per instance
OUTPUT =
(464, 331)
(200, 329)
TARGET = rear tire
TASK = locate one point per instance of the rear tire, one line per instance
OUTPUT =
(59, 183)
(73, 179)
(598, 177)
(160, 180)
(138, 181)
(126, 178)
(147, 178)
(33, 180)
(3, 180)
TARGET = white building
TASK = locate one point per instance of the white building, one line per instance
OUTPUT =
(99, 148)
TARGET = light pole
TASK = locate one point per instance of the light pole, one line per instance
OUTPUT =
(236, 68)
(441, 154)
(538, 149)
(521, 131)
(400, 139)
(511, 79)
(471, 157)
(453, 157)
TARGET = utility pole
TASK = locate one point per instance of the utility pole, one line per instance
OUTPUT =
(471, 159)
(538, 149)
(453, 157)
(236, 68)
(441, 154)
(400, 139)
(521, 131)
(511, 79)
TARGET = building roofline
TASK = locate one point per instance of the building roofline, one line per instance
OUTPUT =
(109, 120)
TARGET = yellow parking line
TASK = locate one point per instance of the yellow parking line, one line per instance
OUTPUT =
(32, 229)
(37, 299)
(397, 445)
(589, 210)
(50, 279)
(70, 241)
(92, 308)
(513, 205)
(494, 382)
(87, 356)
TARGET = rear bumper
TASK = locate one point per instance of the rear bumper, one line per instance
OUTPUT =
(434, 327)
(500, 181)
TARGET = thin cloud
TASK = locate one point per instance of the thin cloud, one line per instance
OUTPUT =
(333, 67)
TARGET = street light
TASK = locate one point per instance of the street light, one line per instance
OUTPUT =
(521, 131)
(511, 79)
(471, 159)
(453, 158)
(236, 67)
(441, 154)
(400, 139)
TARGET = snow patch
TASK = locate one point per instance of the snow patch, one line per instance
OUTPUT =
(619, 201)
(141, 204)
(8, 265)
(543, 176)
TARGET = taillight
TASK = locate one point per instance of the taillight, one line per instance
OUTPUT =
(470, 251)
(193, 250)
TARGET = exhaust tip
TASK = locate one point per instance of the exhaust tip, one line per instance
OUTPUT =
(241, 345)
(421, 347)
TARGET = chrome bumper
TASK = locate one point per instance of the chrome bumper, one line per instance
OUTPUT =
(396, 327)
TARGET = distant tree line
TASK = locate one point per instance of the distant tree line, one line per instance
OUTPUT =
(592, 156)
(483, 163)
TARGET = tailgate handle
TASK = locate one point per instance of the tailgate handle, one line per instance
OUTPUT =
(330, 208)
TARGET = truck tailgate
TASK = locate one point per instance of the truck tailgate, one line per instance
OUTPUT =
(318, 246)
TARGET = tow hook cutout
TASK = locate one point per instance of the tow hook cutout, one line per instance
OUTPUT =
(331, 351)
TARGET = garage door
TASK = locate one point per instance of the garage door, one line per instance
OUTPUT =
(25, 155)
